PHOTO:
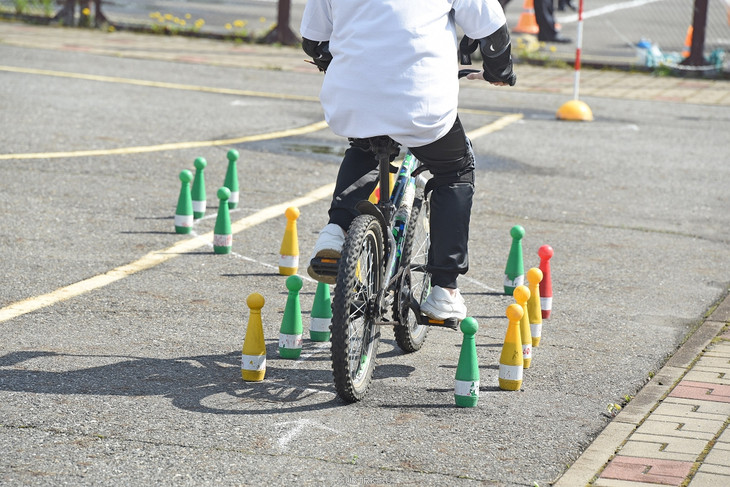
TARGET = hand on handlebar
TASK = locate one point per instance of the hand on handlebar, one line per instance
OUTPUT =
(476, 74)
(480, 76)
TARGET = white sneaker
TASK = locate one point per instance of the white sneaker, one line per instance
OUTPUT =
(329, 247)
(441, 305)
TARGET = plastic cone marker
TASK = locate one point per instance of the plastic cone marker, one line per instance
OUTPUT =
(289, 251)
(231, 181)
(534, 277)
(222, 236)
(319, 326)
(184, 211)
(510, 361)
(688, 39)
(466, 387)
(253, 355)
(522, 295)
(514, 272)
(198, 192)
(546, 284)
(290, 332)
(576, 111)
(527, 24)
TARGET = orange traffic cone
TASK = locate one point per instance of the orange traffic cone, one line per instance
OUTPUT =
(687, 42)
(527, 23)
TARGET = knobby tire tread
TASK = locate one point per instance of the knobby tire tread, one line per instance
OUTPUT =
(341, 307)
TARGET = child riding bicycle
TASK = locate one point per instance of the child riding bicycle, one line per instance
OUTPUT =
(391, 70)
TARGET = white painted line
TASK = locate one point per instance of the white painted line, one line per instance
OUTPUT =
(296, 429)
(568, 19)
(481, 284)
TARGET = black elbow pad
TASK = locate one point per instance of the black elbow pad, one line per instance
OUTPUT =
(497, 57)
(495, 44)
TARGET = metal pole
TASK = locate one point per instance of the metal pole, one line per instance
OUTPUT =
(579, 45)
(699, 22)
(284, 33)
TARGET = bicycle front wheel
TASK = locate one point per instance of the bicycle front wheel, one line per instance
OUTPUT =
(356, 308)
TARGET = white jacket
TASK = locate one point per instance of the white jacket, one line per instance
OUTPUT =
(394, 66)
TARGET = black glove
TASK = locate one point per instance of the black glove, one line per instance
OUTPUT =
(496, 52)
(319, 51)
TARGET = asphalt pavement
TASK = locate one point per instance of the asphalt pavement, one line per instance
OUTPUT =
(122, 339)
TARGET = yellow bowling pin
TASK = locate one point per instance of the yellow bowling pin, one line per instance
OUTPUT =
(521, 295)
(510, 361)
(253, 357)
(534, 277)
(289, 253)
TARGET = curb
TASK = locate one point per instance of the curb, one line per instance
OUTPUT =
(138, 28)
(593, 460)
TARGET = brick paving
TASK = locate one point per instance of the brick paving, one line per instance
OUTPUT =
(682, 440)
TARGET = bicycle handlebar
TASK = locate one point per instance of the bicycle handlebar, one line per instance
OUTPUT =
(464, 72)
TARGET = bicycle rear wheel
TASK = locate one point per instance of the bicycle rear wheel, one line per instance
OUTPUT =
(356, 308)
(416, 283)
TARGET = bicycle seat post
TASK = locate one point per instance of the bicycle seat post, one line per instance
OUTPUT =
(383, 146)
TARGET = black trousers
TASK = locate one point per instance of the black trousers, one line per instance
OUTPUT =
(450, 202)
(545, 20)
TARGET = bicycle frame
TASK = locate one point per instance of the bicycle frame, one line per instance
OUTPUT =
(378, 272)
(399, 208)
(396, 213)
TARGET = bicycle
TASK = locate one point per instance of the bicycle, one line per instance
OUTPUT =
(382, 268)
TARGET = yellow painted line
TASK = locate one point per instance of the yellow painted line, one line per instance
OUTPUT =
(157, 84)
(158, 257)
(498, 124)
(476, 111)
(155, 258)
(487, 129)
(170, 146)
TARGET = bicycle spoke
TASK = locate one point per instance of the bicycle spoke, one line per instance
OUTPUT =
(354, 338)
(410, 334)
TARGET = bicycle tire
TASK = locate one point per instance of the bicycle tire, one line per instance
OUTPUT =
(410, 335)
(356, 308)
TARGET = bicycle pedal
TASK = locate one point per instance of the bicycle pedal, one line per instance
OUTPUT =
(324, 267)
(451, 323)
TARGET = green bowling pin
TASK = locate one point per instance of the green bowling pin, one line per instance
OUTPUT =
(319, 326)
(184, 211)
(514, 272)
(466, 388)
(231, 181)
(290, 332)
(198, 192)
(222, 236)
